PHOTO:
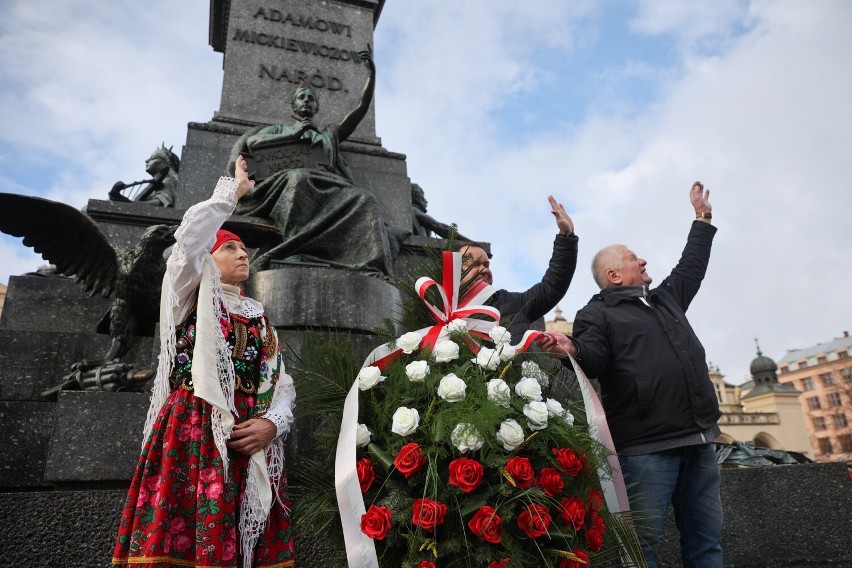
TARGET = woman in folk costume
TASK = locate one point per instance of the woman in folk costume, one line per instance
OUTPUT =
(210, 489)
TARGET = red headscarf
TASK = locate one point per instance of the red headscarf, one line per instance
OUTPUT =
(223, 236)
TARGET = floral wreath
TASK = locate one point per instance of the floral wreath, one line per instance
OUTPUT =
(458, 448)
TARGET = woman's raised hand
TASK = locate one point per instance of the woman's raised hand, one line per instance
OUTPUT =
(241, 175)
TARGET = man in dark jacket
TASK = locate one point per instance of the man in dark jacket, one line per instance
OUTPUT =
(659, 401)
(520, 310)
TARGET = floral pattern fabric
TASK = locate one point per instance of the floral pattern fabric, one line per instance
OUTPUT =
(180, 509)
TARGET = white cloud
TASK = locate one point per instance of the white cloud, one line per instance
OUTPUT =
(752, 99)
(759, 111)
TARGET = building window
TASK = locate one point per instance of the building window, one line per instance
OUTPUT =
(821, 360)
(803, 364)
(783, 369)
(807, 384)
(827, 380)
(840, 421)
(842, 354)
(845, 443)
(813, 403)
(824, 446)
(846, 374)
(834, 399)
(819, 423)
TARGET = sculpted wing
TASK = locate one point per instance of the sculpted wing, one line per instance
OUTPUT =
(65, 237)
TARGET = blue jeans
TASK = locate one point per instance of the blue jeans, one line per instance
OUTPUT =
(689, 479)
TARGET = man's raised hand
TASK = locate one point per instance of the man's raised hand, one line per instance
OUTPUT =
(563, 221)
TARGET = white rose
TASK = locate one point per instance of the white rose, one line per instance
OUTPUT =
(554, 407)
(465, 437)
(499, 392)
(536, 413)
(363, 436)
(529, 389)
(500, 334)
(417, 371)
(505, 351)
(487, 358)
(408, 342)
(457, 326)
(511, 435)
(446, 351)
(405, 421)
(451, 388)
(568, 417)
(368, 377)
(531, 369)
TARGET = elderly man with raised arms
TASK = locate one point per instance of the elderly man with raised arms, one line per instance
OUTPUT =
(659, 401)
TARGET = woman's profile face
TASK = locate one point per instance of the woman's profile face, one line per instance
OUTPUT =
(232, 259)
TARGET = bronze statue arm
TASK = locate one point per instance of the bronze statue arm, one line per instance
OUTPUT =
(350, 121)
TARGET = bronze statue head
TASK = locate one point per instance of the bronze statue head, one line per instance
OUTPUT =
(418, 197)
(305, 101)
(166, 157)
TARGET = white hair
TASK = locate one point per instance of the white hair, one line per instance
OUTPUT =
(608, 258)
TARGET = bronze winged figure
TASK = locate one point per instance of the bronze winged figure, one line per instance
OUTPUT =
(73, 242)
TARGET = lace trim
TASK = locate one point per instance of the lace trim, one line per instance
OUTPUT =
(281, 410)
(250, 308)
(224, 366)
(226, 190)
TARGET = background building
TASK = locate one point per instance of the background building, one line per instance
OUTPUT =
(559, 323)
(823, 375)
(2, 296)
(762, 410)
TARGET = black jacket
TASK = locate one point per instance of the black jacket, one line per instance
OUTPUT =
(651, 366)
(519, 310)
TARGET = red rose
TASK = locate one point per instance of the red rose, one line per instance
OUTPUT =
(499, 563)
(181, 543)
(207, 475)
(550, 481)
(376, 522)
(425, 564)
(487, 525)
(583, 561)
(568, 461)
(466, 474)
(595, 532)
(584, 459)
(214, 490)
(409, 460)
(364, 468)
(535, 520)
(594, 499)
(177, 525)
(229, 550)
(427, 513)
(521, 471)
(573, 512)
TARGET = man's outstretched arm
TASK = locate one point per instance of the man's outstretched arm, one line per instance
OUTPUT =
(686, 277)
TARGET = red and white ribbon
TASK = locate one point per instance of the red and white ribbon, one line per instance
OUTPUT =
(614, 491)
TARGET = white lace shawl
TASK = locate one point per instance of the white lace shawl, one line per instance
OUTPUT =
(191, 271)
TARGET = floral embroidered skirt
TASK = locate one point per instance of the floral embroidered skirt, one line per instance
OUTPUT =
(180, 511)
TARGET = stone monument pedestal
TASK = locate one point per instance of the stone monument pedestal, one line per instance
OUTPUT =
(326, 298)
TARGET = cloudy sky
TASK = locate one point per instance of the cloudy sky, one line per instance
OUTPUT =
(614, 107)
